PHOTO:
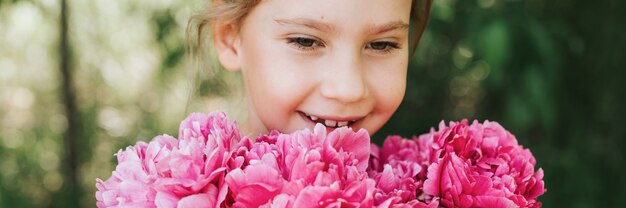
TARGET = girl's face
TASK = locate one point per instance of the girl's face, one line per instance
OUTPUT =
(338, 63)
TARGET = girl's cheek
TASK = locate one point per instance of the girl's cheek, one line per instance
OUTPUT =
(390, 88)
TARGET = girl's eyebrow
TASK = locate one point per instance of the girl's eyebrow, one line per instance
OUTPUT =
(321, 26)
(395, 25)
(306, 22)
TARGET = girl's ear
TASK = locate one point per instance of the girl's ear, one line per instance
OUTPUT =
(226, 42)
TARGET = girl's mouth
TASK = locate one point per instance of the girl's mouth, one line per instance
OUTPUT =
(329, 123)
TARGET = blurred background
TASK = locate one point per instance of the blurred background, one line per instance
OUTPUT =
(81, 81)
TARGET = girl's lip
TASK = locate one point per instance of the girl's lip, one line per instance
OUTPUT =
(331, 121)
(335, 118)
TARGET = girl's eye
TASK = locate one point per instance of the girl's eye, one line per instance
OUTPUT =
(305, 43)
(383, 46)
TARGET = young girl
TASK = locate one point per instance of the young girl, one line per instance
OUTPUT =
(338, 63)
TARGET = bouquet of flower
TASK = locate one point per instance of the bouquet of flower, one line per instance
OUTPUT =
(212, 165)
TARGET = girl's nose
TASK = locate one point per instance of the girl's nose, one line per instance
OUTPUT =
(345, 79)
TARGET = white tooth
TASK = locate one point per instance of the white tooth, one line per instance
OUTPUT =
(314, 118)
(342, 123)
(330, 123)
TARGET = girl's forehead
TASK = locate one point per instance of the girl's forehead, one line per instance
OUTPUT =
(332, 12)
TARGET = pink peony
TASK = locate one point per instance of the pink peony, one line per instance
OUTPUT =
(480, 165)
(258, 181)
(188, 172)
(196, 169)
(303, 169)
(130, 184)
(395, 168)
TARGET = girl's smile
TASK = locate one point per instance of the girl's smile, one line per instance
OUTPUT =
(329, 121)
(337, 63)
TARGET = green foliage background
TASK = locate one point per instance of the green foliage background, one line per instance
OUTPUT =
(549, 71)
